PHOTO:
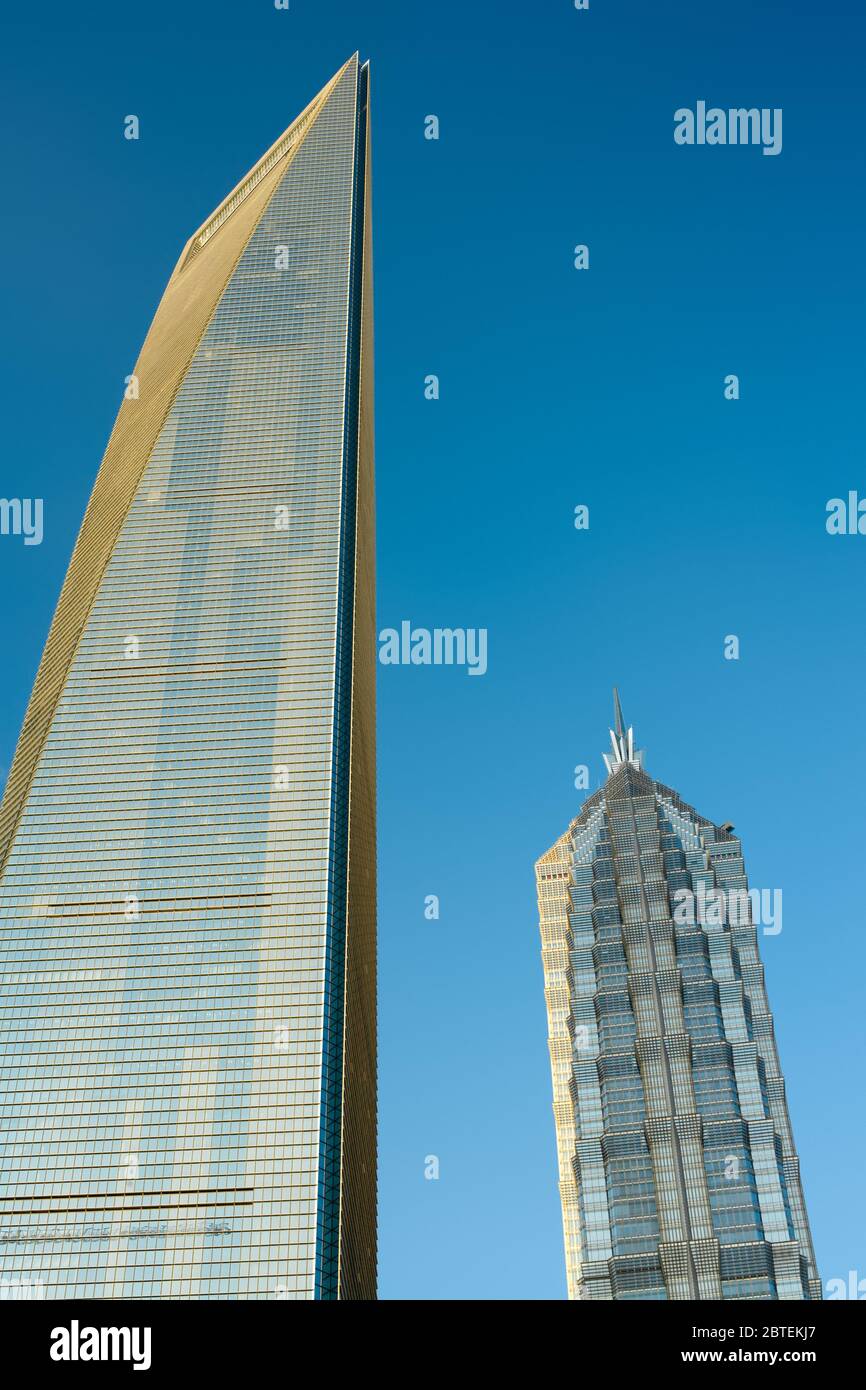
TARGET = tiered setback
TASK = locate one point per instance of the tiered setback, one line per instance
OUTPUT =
(678, 1174)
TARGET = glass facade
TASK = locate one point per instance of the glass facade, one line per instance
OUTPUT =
(678, 1173)
(187, 902)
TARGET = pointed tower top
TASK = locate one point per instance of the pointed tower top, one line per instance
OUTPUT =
(287, 144)
(621, 741)
(618, 721)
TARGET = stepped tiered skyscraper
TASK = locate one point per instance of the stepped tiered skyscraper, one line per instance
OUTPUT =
(677, 1168)
(187, 837)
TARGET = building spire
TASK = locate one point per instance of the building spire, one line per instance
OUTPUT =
(622, 742)
(618, 721)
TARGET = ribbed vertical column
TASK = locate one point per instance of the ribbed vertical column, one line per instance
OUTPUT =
(553, 878)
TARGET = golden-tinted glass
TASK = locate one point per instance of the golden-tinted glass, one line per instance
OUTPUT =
(187, 904)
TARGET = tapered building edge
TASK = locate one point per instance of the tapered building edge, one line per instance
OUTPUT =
(358, 1178)
(346, 1205)
(188, 304)
(347, 1210)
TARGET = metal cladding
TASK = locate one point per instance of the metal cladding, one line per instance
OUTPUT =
(677, 1169)
(187, 838)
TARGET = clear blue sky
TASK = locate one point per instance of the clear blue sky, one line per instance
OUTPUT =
(557, 387)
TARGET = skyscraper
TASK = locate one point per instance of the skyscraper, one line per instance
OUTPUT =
(187, 837)
(677, 1169)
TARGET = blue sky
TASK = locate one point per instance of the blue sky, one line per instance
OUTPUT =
(558, 387)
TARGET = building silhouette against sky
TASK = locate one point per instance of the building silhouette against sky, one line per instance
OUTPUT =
(677, 1168)
(187, 838)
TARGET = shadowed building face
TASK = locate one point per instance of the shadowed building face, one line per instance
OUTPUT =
(187, 901)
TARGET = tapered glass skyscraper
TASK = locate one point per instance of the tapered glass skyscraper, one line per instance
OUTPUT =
(678, 1173)
(187, 838)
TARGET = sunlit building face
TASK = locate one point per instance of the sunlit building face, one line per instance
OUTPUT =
(187, 900)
